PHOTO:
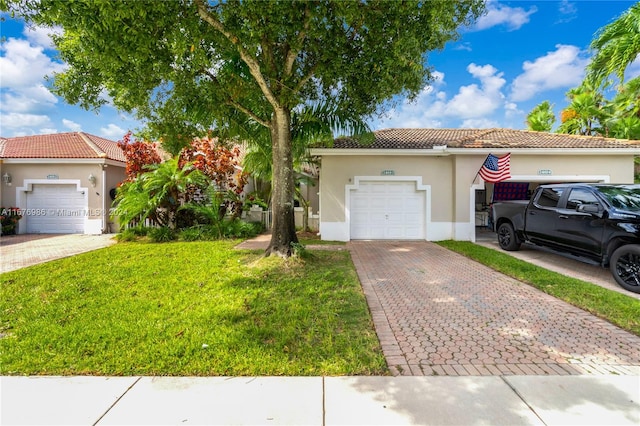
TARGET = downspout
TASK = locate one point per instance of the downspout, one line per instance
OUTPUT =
(105, 209)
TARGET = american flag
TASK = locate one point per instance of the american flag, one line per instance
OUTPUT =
(496, 169)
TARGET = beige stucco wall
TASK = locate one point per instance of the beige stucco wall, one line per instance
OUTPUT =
(453, 180)
(24, 173)
(337, 172)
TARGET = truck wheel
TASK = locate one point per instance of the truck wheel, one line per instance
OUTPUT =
(625, 267)
(507, 238)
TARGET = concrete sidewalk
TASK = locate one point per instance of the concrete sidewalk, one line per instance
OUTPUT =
(506, 400)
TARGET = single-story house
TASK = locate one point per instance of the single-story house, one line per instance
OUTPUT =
(423, 184)
(62, 183)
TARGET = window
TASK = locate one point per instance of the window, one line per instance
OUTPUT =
(549, 197)
(579, 196)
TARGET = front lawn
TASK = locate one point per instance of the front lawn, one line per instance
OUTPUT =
(199, 308)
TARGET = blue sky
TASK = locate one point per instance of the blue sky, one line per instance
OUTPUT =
(519, 54)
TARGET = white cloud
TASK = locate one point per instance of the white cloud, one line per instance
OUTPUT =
(562, 68)
(511, 110)
(17, 121)
(568, 11)
(498, 14)
(479, 123)
(463, 46)
(112, 131)
(23, 65)
(24, 95)
(71, 125)
(41, 36)
(475, 101)
(469, 107)
(28, 100)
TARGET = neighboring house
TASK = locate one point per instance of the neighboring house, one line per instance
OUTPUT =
(62, 183)
(422, 184)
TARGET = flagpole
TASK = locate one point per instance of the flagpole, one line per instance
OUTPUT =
(478, 172)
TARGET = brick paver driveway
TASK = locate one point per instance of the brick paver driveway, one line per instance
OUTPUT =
(439, 313)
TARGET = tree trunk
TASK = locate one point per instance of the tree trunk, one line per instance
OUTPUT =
(283, 228)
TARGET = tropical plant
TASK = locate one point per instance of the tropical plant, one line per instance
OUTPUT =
(9, 218)
(541, 117)
(311, 125)
(158, 193)
(222, 166)
(138, 154)
(585, 113)
(189, 66)
(616, 46)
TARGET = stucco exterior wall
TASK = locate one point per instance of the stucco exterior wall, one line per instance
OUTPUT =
(618, 168)
(452, 180)
(338, 172)
(25, 174)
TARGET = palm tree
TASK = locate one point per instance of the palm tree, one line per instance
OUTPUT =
(312, 125)
(585, 113)
(158, 193)
(541, 118)
(622, 114)
(617, 45)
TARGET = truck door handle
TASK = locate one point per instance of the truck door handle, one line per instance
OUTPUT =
(532, 213)
(562, 216)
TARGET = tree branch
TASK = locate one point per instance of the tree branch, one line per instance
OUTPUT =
(292, 54)
(306, 78)
(237, 105)
(254, 67)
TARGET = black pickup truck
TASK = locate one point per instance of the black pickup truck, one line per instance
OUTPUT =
(594, 222)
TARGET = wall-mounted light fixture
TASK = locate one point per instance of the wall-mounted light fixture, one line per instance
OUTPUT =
(6, 178)
(92, 180)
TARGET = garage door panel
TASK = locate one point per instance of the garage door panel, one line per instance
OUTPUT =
(360, 202)
(55, 209)
(379, 188)
(395, 210)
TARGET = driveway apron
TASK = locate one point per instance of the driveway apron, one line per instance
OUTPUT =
(438, 313)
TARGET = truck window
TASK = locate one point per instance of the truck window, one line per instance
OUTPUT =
(549, 197)
(579, 196)
(621, 197)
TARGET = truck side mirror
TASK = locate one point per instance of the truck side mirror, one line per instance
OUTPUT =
(593, 209)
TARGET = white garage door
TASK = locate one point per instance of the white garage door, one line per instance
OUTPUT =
(55, 209)
(387, 211)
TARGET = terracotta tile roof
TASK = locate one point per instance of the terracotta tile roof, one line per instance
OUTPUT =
(481, 138)
(61, 145)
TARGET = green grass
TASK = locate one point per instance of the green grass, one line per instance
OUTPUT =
(617, 308)
(198, 308)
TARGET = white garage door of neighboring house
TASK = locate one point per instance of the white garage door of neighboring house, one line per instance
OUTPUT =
(387, 211)
(55, 209)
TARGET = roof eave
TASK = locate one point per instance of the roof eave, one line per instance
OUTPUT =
(55, 160)
(376, 151)
(471, 151)
(547, 151)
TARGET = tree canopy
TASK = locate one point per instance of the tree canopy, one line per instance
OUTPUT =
(186, 66)
(616, 46)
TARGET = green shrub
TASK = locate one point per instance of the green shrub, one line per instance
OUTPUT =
(162, 235)
(299, 250)
(141, 231)
(195, 233)
(127, 235)
(239, 229)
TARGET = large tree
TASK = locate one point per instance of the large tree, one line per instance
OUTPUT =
(187, 66)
